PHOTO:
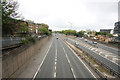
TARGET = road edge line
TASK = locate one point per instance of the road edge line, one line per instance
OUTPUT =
(42, 62)
(81, 61)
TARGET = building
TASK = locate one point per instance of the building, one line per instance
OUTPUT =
(31, 27)
(117, 28)
(107, 30)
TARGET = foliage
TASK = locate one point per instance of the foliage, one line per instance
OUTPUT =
(24, 28)
(110, 35)
(44, 30)
(89, 31)
(68, 32)
(31, 39)
(26, 41)
(29, 20)
(9, 9)
(98, 33)
(45, 25)
(104, 34)
(81, 33)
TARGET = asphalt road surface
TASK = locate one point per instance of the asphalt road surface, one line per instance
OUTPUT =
(103, 60)
(61, 62)
(107, 48)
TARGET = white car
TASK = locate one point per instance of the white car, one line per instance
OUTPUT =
(94, 42)
(86, 40)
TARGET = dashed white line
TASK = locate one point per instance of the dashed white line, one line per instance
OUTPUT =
(55, 75)
(55, 59)
(94, 50)
(55, 62)
(82, 62)
(55, 67)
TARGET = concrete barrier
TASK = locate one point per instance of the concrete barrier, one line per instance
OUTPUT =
(15, 63)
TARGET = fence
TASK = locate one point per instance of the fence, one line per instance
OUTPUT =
(112, 72)
(8, 41)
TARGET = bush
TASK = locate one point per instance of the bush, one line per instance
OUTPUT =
(31, 39)
(25, 41)
(28, 39)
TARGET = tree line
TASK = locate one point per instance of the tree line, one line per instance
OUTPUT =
(11, 20)
(83, 33)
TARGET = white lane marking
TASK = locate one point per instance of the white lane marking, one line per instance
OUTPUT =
(55, 67)
(55, 59)
(55, 75)
(93, 49)
(42, 62)
(69, 64)
(68, 60)
(55, 62)
(109, 47)
(82, 62)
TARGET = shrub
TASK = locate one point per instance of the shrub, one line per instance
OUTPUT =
(31, 39)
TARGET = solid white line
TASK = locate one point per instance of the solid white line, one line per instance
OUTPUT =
(82, 62)
(68, 61)
(42, 62)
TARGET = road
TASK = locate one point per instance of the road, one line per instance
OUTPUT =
(107, 48)
(61, 62)
(109, 63)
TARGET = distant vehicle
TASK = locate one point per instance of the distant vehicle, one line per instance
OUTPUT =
(39, 36)
(86, 40)
(57, 38)
(76, 44)
(94, 42)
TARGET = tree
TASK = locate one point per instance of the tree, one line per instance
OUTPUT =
(29, 21)
(45, 25)
(69, 32)
(24, 28)
(43, 30)
(81, 33)
(9, 14)
(104, 33)
(110, 35)
(89, 31)
(98, 33)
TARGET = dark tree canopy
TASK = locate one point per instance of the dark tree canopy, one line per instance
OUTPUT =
(9, 15)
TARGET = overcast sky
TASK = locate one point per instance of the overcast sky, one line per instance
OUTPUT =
(82, 14)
